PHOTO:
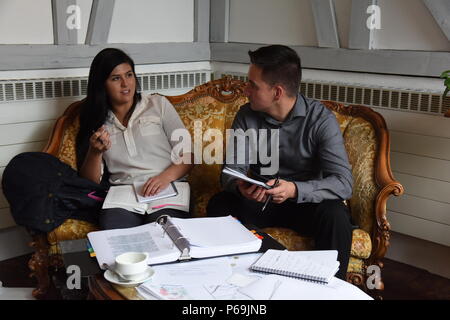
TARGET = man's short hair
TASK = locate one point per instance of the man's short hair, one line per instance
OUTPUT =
(280, 65)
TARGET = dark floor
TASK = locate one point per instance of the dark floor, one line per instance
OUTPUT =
(402, 281)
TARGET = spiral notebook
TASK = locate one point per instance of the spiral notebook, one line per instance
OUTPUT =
(317, 266)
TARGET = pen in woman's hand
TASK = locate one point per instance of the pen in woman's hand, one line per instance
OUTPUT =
(98, 138)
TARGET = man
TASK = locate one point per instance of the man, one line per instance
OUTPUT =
(313, 169)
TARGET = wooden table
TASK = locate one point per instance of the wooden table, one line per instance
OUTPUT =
(102, 289)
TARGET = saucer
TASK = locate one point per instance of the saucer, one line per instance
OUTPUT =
(114, 278)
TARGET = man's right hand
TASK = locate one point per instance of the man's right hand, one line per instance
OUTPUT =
(251, 191)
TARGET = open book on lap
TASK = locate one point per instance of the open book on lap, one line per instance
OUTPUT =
(173, 239)
(128, 197)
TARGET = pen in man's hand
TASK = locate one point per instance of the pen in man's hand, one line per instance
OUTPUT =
(269, 198)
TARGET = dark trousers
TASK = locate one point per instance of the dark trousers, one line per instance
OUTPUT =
(328, 222)
(116, 218)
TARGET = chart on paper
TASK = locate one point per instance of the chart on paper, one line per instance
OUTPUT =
(139, 242)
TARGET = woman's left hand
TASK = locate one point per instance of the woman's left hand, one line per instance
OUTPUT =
(155, 185)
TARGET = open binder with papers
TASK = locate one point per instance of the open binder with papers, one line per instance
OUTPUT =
(172, 239)
(317, 266)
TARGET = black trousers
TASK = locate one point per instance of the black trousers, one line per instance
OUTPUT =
(116, 218)
(328, 222)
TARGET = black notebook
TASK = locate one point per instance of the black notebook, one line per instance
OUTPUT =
(317, 266)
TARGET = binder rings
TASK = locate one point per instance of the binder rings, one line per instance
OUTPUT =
(172, 239)
(315, 266)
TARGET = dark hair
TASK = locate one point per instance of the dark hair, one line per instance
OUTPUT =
(280, 65)
(95, 107)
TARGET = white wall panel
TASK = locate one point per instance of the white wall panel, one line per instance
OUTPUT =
(17, 112)
(143, 21)
(85, 7)
(428, 146)
(343, 10)
(424, 187)
(420, 253)
(422, 124)
(420, 166)
(26, 22)
(420, 228)
(273, 22)
(421, 208)
(8, 152)
(25, 132)
(408, 25)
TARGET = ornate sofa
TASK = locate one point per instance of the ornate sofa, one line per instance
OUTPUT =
(213, 105)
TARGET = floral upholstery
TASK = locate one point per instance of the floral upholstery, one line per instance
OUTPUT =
(290, 239)
(66, 152)
(198, 116)
(361, 145)
(361, 244)
(70, 230)
(206, 112)
(355, 265)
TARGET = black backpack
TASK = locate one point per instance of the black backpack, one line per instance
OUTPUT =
(43, 192)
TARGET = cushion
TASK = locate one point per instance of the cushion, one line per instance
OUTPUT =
(67, 152)
(355, 265)
(290, 239)
(361, 145)
(361, 244)
(198, 115)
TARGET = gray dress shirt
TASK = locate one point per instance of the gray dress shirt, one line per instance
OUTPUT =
(311, 151)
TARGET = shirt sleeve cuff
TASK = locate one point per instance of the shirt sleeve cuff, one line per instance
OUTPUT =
(303, 189)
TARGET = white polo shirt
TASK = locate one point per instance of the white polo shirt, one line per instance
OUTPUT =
(143, 149)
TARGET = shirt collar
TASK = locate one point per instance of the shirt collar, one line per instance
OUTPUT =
(299, 110)
(111, 118)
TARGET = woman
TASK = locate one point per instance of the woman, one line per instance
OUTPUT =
(128, 133)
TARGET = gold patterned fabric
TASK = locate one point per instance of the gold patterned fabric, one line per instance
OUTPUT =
(355, 265)
(71, 229)
(67, 153)
(290, 239)
(361, 145)
(198, 116)
(361, 243)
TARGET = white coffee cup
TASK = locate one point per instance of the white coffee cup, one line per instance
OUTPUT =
(132, 265)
